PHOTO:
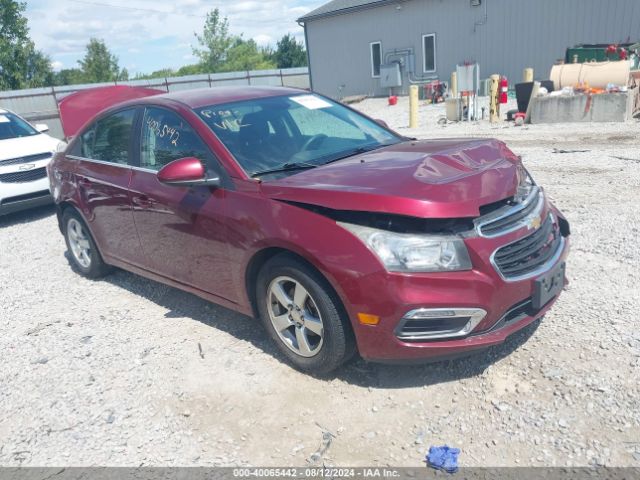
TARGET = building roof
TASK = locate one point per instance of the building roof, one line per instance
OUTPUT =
(339, 7)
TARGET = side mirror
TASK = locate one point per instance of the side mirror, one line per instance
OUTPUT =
(42, 127)
(382, 123)
(186, 172)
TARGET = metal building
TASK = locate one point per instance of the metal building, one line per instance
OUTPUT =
(351, 43)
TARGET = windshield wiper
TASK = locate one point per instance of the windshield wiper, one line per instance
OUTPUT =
(358, 151)
(285, 167)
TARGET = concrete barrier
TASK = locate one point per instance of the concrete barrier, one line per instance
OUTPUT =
(612, 107)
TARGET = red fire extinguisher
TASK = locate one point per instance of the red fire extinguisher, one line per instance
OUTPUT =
(504, 90)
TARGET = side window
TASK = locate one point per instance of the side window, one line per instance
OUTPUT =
(166, 137)
(86, 142)
(110, 139)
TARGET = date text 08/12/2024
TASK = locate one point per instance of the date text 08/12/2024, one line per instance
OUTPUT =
(311, 472)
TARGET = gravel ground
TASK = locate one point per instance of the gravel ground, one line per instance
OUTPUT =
(126, 371)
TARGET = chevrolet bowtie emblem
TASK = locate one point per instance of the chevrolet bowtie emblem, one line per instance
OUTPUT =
(535, 223)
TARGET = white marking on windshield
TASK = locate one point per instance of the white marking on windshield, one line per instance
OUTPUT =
(311, 102)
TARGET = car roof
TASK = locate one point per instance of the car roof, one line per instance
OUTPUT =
(204, 97)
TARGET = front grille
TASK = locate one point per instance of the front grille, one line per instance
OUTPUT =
(27, 159)
(511, 217)
(528, 254)
(22, 177)
(518, 312)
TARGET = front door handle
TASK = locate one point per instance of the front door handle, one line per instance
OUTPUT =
(142, 201)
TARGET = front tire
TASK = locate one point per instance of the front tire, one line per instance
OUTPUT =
(303, 315)
(83, 252)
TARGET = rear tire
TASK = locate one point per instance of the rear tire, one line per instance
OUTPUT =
(83, 252)
(303, 315)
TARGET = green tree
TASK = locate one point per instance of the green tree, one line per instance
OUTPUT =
(215, 42)
(245, 55)
(124, 75)
(191, 70)
(290, 53)
(99, 64)
(269, 53)
(21, 65)
(165, 72)
(68, 76)
(37, 68)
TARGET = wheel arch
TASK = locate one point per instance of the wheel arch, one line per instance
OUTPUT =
(66, 205)
(261, 257)
(61, 208)
(254, 266)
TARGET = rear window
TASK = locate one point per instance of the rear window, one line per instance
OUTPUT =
(12, 126)
(109, 139)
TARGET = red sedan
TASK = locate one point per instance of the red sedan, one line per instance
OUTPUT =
(340, 234)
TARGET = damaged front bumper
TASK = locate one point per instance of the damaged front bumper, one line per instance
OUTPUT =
(429, 317)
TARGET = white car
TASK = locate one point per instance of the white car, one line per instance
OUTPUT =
(25, 151)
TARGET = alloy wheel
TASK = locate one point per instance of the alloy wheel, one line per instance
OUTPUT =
(79, 243)
(295, 316)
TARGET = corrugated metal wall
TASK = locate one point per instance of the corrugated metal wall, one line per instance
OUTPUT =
(40, 105)
(517, 34)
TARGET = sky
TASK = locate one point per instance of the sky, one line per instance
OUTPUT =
(148, 35)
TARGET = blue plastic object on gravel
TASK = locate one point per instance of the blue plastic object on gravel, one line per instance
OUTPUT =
(443, 458)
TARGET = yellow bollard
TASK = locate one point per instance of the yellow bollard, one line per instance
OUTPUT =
(494, 109)
(413, 106)
(454, 85)
(528, 75)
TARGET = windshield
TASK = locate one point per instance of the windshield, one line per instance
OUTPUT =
(284, 134)
(12, 126)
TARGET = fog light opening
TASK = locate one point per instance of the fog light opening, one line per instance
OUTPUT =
(439, 323)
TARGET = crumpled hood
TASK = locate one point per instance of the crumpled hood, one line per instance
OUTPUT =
(25, 146)
(449, 178)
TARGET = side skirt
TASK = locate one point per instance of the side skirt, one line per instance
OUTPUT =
(181, 286)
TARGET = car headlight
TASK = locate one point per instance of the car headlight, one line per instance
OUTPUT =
(401, 252)
(525, 184)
